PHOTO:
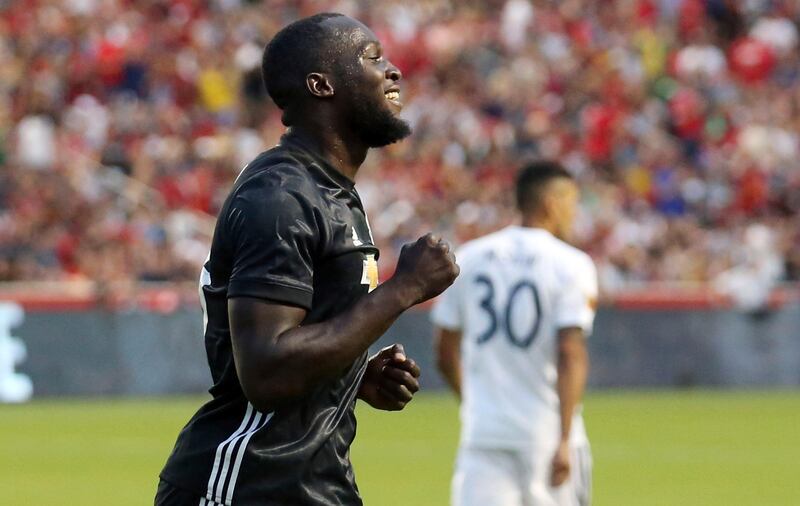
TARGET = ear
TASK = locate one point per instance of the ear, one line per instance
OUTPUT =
(319, 85)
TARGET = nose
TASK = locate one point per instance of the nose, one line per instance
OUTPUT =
(393, 73)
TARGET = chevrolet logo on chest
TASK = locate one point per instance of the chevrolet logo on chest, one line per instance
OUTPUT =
(369, 275)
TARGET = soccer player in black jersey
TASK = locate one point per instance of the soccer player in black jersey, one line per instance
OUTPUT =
(290, 290)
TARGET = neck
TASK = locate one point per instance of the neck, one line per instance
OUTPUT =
(344, 153)
(538, 222)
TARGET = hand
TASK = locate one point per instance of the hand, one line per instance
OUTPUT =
(426, 268)
(560, 465)
(390, 381)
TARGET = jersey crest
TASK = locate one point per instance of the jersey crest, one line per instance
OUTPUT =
(369, 275)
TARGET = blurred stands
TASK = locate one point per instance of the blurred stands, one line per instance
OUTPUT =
(123, 124)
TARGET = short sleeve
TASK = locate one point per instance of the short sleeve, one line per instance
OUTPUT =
(273, 236)
(446, 312)
(577, 300)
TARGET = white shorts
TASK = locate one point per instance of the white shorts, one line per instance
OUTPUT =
(487, 477)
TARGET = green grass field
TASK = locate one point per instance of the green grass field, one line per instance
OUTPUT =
(650, 448)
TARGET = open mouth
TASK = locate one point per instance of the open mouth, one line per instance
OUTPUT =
(393, 96)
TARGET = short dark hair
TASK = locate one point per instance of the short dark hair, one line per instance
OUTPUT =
(533, 179)
(298, 49)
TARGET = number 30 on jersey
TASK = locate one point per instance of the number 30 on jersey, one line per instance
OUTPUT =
(501, 318)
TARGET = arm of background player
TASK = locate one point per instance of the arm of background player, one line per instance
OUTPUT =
(277, 360)
(448, 356)
(573, 369)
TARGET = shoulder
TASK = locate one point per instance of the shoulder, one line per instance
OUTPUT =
(275, 175)
(477, 249)
(571, 261)
(273, 192)
(577, 256)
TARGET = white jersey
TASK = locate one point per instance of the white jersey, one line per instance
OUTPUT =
(517, 288)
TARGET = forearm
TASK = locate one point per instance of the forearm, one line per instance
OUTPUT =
(448, 356)
(451, 371)
(449, 365)
(573, 368)
(279, 360)
(299, 359)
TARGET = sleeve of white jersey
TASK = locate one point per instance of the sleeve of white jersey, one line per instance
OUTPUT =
(577, 302)
(446, 312)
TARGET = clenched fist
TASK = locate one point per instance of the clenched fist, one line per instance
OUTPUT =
(391, 379)
(425, 268)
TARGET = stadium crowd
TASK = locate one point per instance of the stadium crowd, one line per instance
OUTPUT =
(124, 122)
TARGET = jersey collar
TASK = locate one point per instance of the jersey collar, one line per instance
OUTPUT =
(329, 170)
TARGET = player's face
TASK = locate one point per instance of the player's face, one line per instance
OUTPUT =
(566, 207)
(368, 87)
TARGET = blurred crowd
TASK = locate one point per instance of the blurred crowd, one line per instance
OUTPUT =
(124, 122)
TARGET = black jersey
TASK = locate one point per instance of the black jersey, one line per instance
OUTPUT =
(293, 231)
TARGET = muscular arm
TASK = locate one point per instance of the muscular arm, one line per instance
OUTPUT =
(277, 360)
(448, 357)
(573, 368)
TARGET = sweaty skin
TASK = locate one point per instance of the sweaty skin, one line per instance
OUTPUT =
(290, 289)
(276, 359)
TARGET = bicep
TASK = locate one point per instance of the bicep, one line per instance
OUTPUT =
(448, 344)
(571, 342)
(256, 325)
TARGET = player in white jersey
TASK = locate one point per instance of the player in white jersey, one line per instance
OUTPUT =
(511, 341)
